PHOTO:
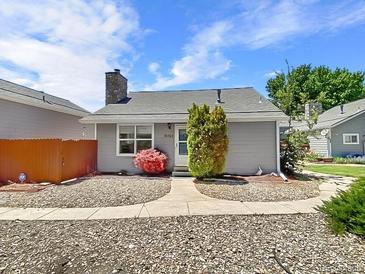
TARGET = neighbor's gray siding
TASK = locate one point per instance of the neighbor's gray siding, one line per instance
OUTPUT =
(319, 144)
(108, 161)
(355, 125)
(251, 144)
(18, 121)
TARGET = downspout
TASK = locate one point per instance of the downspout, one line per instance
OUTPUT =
(95, 131)
(278, 168)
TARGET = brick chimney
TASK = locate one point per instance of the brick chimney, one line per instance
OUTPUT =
(116, 86)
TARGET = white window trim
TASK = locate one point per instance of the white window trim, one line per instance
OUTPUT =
(135, 139)
(351, 134)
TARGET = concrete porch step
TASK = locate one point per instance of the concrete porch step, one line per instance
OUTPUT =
(181, 174)
(181, 168)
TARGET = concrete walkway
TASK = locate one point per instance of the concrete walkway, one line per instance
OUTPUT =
(183, 199)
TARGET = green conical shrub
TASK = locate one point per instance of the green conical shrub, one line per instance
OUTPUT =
(207, 141)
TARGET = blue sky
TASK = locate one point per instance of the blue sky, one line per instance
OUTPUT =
(64, 47)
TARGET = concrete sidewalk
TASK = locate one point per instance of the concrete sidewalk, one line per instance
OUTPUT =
(183, 199)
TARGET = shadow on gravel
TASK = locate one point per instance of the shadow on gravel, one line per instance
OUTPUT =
(103, 177)
(221, 181)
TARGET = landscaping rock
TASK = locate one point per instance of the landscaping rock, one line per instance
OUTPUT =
(210, 244)
(257, 189)
(99, 191)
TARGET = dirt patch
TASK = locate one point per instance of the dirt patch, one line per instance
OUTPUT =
(22, 187)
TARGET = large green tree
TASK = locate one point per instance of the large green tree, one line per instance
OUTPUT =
(319, 84)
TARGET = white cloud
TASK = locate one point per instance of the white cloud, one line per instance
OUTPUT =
(271, 74)
(268, 23)
(202, 60)
(154, 68)
(68, 44)
(255, 25)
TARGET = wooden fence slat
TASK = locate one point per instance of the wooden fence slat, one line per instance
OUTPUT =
(79, 158)
(50, 160)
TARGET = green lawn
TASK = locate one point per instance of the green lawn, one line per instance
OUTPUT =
(352, 171)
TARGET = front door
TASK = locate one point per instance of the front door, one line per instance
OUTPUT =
(181, 147)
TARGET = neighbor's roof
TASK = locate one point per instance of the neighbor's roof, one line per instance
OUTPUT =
(333, 116)
(20, 94)
(172, 106)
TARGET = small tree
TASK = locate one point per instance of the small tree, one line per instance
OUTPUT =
(292, 154)
(207, 141)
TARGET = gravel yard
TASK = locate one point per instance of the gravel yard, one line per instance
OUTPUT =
(99, 191)
(211, 244)
(259, 189)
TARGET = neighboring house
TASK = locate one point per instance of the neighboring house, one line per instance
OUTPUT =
(340, 131)
(139, 120)
(27, 113)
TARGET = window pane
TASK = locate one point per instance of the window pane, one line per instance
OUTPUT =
(347, 139)
(182, 135)
(143, 144)
(183, 149)
(354, 139)
(144, 132)
(126, 146)
(126, 132)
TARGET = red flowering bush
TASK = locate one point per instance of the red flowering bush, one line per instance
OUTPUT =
(151, 161)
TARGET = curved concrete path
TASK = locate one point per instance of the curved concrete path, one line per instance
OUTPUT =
(183, 199)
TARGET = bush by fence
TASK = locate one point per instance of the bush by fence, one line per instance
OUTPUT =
(46, 160)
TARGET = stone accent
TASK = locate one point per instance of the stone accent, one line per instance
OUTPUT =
(312, 107)
(116, 86)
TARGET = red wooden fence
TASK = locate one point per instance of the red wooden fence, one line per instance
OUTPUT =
(46, 160)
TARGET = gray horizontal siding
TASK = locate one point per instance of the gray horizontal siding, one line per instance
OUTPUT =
(164, 141)
(355, 125)
(251, 145)
(108, 161)
(18, 121)
(319, 145)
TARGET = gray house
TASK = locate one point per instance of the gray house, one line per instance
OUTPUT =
(340, 131)
(27, 113)
(138, 120)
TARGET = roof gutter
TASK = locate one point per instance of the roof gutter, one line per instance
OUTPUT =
(40, 104)
(348, 118)
(91, 119)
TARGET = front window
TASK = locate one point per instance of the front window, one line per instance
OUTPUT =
(183, 138)
(132, 139)
(351, 138)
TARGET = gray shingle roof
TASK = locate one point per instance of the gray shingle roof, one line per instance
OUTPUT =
(173, 105)
(24, 95)
(334, 116)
